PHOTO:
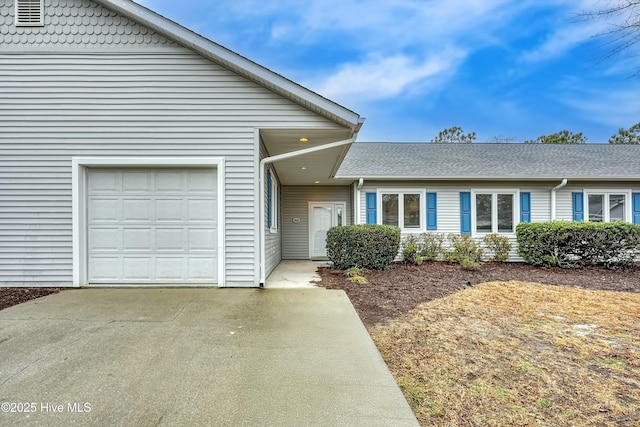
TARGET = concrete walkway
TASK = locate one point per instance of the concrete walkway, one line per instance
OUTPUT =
(224, 357)
(295, 274)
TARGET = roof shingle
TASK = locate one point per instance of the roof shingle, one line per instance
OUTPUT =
(490, 161)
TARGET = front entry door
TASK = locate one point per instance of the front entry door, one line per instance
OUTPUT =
(323, 216)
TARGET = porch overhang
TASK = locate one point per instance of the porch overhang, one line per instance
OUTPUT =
(314, 168)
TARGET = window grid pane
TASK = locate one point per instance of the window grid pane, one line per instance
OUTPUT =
(390, 209)
(411, 210)
(616, 207)
(483, 213)
(596, 204)
(505, 213)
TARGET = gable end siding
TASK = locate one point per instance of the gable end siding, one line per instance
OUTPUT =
(76, 22)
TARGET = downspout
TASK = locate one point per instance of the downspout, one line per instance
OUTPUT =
(261, 201)
(553, 198)
(356, 219)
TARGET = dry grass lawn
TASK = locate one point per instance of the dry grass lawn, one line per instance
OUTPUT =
(515, 353)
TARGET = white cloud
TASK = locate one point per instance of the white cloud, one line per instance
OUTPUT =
(395, 24)
(562, 40)
(383, 77)
(612, 106)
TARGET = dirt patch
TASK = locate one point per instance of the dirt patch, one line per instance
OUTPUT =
(13, 296)
(392, 292)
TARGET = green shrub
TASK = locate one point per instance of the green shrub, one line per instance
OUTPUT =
(410, 249)
(575, 244)
(354, 274)
(469, 264)
(367, 246)
(431, 246)
(465, 250)
(498, 245)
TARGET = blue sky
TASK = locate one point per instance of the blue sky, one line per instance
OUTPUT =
(509, 68)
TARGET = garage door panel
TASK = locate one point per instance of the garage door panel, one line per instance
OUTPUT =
(104, 239)
(202, 239)
(137, 239)
(137, 268)
(104, 210)
(170, 209)
(201, 181)
(170, 269)
(137, 210)
(169, 182)
(168, 239)
(201, 210)
(105, 268)
(152, 226)
(104, 181)
(201, 268)
(136, 182)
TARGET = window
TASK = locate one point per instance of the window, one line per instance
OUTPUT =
(402, 209)
(606, 207)
(495, 212)
(29, 13)
(272, 201)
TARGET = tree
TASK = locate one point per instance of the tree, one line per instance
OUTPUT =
(627, 136)
(562, 137)
(623, 19)
(454, 135)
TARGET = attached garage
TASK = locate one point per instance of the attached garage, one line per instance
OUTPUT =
(148, 224)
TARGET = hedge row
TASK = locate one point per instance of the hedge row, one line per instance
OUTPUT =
(366, 246)
(575, 244)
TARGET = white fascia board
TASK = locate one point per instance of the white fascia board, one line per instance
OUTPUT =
(218, 53)
(484, 178)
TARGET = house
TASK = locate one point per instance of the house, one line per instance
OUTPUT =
(478, 189)
(135, 151)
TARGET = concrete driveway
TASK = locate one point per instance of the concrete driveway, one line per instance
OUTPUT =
(224, 357)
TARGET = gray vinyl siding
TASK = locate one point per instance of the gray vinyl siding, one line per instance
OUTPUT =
(564, 199)
(295, 204)
(273, 238)
(135, 102)
(448, 200)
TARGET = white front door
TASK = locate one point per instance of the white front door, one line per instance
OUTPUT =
(323, 216)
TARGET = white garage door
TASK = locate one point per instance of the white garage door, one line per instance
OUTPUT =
(152, 226)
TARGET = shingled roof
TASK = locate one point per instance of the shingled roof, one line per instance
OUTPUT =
(386, 160)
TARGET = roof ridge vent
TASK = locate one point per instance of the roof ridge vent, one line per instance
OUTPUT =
(29, 13)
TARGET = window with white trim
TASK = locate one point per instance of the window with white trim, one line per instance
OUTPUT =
(495, 212)
(402, 208)
(29, 13)
(607, 206)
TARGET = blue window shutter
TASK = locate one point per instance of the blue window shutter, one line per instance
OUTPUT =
(578, 206)
(269, 198)
(525, 207)
(432, 211)
(635, 205)
(465, 212)
(372, 215)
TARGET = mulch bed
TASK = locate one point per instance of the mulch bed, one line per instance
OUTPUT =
(13, 296)
(390, 293)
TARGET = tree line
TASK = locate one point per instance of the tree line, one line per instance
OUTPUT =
(456, 135)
